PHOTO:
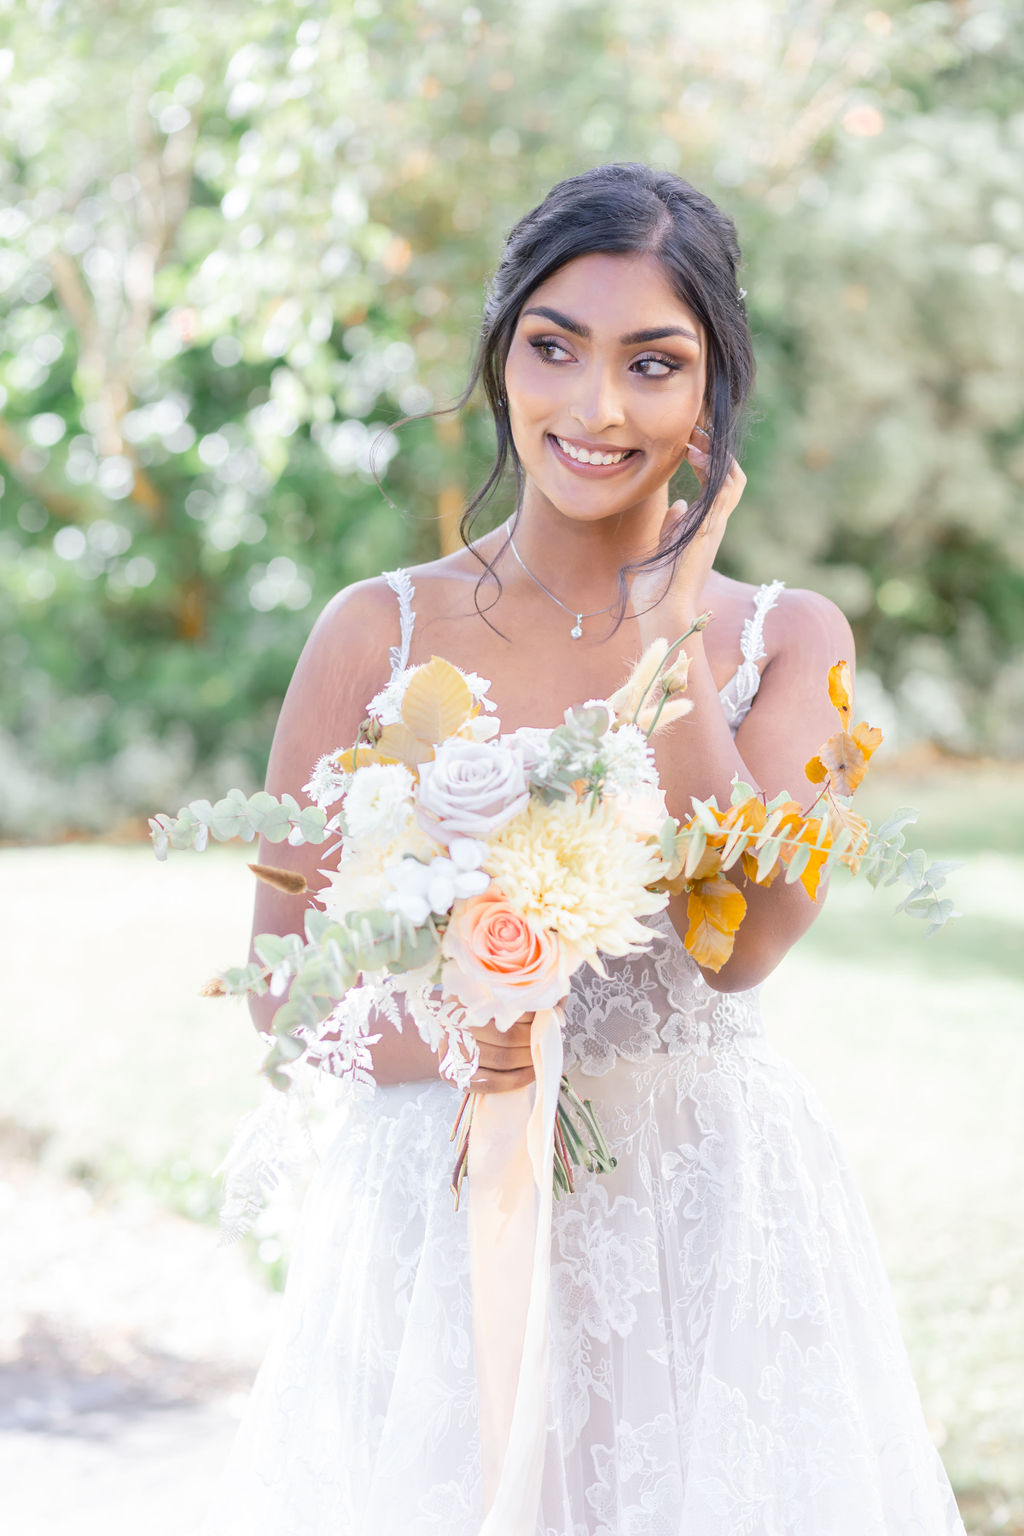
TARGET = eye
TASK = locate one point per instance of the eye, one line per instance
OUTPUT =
(545, 345)
(668, 364)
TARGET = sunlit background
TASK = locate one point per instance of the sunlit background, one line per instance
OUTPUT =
(237, 244)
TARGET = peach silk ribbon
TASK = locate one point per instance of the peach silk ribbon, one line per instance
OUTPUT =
(509, 1226)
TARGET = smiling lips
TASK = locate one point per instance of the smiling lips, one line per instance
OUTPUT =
(594, 457)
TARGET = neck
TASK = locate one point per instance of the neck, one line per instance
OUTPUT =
(580, 558)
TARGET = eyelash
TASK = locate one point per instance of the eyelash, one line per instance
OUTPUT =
(541, 342)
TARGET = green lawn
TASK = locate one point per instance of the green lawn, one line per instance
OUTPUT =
(120, 1075)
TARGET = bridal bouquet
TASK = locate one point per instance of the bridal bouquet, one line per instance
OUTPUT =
(477, 870)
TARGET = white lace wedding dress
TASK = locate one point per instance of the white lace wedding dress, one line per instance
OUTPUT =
(725, 1355)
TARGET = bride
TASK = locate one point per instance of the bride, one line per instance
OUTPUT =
(725, 1353)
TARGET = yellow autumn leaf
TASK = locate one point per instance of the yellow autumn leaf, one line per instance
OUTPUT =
(799, 830)
(397, 744)
(841, 816)
(844, 763)
(839, 688)
(815, 770)
(867, 737)
(359, 757)
(437, 700)
(715, 909)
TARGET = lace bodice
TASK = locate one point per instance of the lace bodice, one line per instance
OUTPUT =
(656, 1002)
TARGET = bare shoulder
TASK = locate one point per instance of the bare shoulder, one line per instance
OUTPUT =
(348, 648)
(806, 627)
(364, 605)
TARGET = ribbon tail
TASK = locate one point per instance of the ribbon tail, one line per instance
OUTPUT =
(511, 1153)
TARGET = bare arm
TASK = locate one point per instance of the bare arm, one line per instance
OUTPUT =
(790, 717)
(343, 664)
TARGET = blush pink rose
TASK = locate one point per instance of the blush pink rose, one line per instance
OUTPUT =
(500, 965)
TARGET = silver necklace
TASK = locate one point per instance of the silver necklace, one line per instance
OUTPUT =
(577, 630)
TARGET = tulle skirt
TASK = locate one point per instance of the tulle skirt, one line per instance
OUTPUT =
(726, 1358)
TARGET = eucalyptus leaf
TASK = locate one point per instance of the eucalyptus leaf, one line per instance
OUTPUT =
(897, 821)
(288, 1048)
(273, 824)
(936, 873)
(914, 866)
(798, 863)
(767, 856)
(272, 948)
(698, 840)
(317, 924)
(702, 809)
(741, 792)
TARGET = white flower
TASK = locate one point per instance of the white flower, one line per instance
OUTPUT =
(328, 782)
(356, 884)
(629, 757)
(379, 800)
(581, 872)
(533, 740)
(472, 788)
(418, 889)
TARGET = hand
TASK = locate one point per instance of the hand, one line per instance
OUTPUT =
(694, 565)
(505, 1059)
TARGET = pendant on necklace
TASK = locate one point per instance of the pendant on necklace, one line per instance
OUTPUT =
(577, 628)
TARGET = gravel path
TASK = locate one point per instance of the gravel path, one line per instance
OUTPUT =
(118, 1395)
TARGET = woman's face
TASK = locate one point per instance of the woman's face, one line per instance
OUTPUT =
(605, 362)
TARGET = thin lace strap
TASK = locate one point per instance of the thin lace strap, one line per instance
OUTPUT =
(752, 639)
(401, 585)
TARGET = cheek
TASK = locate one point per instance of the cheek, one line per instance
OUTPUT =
(669, 423)
(530, 387)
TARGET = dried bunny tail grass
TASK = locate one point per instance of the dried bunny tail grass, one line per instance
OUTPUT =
(287, 880)
(214, 988)
(652, 720)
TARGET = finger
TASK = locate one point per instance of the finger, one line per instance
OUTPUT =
(697, 461)
(516, 1034)
(501, 1082)
(504, 1057)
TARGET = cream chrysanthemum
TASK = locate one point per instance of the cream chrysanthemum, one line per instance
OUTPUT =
(580, 872)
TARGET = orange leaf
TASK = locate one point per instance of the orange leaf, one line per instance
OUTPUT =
(748, 863)
(867, 737)
(397, 744)
(709, 864)
(715, 909)
(839, 685)
(815, 770)
(749, 814)
(358, 757)
(842, 816)
(844, 762)
(799, 830)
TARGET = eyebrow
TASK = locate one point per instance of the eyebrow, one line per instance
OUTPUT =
(633, 339)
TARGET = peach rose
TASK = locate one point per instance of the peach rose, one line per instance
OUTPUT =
(499, 965)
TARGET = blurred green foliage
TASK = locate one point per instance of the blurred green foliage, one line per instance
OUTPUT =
(237, 242)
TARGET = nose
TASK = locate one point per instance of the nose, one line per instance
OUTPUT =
(599, 404)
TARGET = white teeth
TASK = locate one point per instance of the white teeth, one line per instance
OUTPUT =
(585, 456)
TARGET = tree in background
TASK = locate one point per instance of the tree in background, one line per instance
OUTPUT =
(240, 242)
